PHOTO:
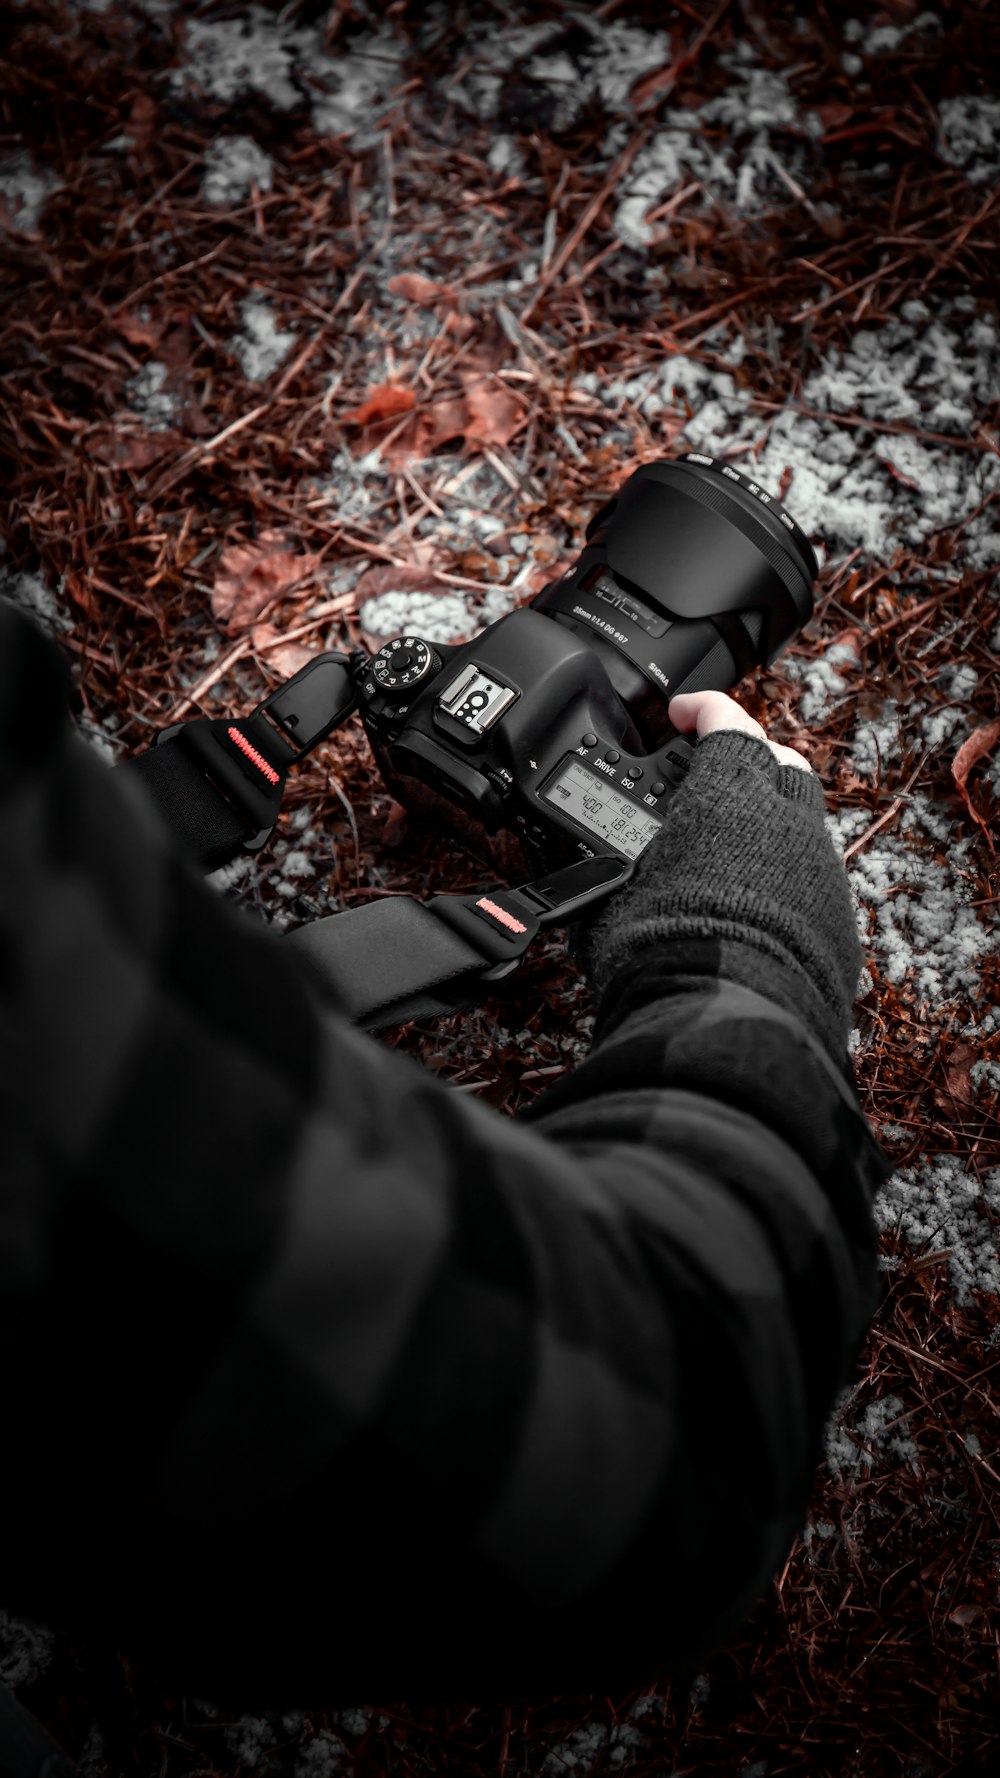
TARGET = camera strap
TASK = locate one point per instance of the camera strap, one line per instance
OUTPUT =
(218, 784)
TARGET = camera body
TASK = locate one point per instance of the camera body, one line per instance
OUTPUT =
(552, 724)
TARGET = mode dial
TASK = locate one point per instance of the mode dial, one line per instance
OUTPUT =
(402, 664)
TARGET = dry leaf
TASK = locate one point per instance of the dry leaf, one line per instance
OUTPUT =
(957, 1086)
(418, 289)
(981, 741)
(138, 333)
(131, 450)
(252, 576)
(141, 122)
(283, 658)
(423, 433)
(494, 412)
(80, 594)
(385, 402)
(396, 830)
(834, 115)
(460, 326)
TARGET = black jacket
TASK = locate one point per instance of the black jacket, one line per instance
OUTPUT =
(326, 1383)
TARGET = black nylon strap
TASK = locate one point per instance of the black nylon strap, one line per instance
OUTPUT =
(207, 826)
(392, 960)
(384, 963)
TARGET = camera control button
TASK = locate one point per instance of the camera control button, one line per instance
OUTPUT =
(589, 740)
(634, 771)
(612, 757)
(658, 788)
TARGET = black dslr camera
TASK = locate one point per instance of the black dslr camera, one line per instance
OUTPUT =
(551, 726)
(552, 723)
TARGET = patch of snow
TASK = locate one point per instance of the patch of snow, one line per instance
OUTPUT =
(921, 920)
(324, 1756)
(262, 345)
(30, 594)
(24, 189)
(970, 135)
(756, 105)
(26, 1649)
(440, 617)
(148, 398)
(251, 1738)
(506, 157)
(937, 1202)
(845, 1456)
(823, 683)
(230, 164)
(228, 876)
(985, 1076)
(578, 1753)
(253, 52)
(356, 84)
(934, 377)
(877, 743)
(258, 52)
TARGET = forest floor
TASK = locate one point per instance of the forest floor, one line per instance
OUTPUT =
(322, 323)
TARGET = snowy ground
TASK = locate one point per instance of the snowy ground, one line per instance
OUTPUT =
(934, 367)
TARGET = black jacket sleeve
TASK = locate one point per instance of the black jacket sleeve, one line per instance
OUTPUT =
(326, 1383)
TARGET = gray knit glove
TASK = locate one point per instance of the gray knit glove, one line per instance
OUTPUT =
(744, 858)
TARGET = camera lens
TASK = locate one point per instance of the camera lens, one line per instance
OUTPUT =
(692, 576)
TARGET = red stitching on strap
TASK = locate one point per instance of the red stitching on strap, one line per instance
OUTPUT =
(251, 752)
(500, 914)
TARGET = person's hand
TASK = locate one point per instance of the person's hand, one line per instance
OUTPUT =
(710, 710)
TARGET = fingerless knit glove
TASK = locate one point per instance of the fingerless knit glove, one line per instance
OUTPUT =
(744, 858)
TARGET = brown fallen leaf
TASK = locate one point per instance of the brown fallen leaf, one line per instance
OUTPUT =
(981, 741)
(80, 594)
(141, 122)
(122, 449)
(283, 658)
(137, 332)
(834, 115)
(957, 1085)
(396, 830)
(418, 289)
(385, 402)
(250, 577)
(494, 411)
(425, 430)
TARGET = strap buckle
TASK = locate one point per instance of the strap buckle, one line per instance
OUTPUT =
(247, 758)
(502, 922)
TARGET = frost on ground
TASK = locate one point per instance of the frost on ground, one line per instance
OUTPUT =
(258, 51)
(25, 1649)
(937, 1202)
(262, 345)
(970, 132)
(147, 397)
(933, 369)
(24, 189)
(931, 373)
(232, 163)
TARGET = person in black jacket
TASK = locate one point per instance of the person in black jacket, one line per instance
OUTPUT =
(325, 1383)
